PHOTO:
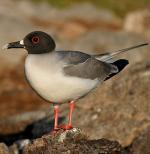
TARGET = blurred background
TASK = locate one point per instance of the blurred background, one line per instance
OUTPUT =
(120, 108)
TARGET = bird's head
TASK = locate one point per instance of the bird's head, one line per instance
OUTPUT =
(36, 42)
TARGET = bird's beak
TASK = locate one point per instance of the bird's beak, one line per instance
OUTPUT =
(18, 44)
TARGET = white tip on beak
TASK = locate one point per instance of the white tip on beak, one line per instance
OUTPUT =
(22, 42)
(5, 46)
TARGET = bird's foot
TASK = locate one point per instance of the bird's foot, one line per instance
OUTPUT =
(55, 132)
(65, 127)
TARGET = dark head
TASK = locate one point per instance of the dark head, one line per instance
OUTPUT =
(36, 42)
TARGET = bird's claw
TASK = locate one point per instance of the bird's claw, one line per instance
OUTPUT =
(65, 127)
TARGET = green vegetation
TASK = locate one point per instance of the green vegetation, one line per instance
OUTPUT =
(119, 7)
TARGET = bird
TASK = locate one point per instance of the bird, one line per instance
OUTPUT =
(65, 76)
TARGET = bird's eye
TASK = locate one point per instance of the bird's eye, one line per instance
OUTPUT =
(35, 39)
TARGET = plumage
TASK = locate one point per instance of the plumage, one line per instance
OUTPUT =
(91, 69)
(72, 57)
(46, 75)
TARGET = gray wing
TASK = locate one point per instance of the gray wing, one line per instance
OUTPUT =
(91, 69)
(73, 57)
(82, 65)
(79, 64)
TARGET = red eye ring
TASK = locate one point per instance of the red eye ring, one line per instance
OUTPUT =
(35, 39)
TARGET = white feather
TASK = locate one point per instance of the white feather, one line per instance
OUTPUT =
(45, 75)
(22, 42)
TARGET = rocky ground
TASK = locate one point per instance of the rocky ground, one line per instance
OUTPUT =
(118, 110)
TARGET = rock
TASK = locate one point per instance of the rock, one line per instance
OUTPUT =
(138, 22)
(75, 141)
(72, 30)
(17, 147)
(72, 144)
(18, 123)
(141, 145)
(69, 134)
(14, 149)
(4, 149)
(97, 18)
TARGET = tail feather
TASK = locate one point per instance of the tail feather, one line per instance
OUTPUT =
(120, 64)
(108, 57)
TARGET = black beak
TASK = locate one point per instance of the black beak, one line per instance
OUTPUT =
(13, 45)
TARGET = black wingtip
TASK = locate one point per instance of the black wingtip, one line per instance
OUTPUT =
(121, 64)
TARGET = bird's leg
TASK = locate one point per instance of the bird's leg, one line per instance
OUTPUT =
(69, 126)
(56, 111)
(70, 113)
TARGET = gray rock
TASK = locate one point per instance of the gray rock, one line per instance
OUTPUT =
(73, 143)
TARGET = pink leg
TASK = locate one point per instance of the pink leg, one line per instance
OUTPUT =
(69, 126)
(70, 113)
(56, 117)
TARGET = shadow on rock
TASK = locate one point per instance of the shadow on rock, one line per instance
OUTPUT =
(32, 131)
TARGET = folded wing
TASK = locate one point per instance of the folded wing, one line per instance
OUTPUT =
(91, 69)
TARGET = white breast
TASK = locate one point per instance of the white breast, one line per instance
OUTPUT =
(44, 73)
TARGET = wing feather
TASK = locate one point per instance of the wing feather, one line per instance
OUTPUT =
(91, 69)
(108, 57)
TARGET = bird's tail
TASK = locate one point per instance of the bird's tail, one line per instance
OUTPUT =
(108, 57)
